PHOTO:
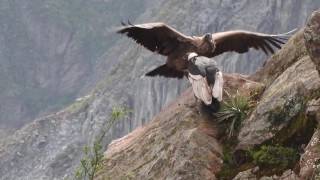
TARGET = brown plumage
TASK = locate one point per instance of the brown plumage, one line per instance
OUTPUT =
(165, 40)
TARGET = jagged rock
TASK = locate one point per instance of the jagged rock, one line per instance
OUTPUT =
(312, 37)
(249, 175)
(289, 175)
(281, 103)
(310, 158)
(313, 109)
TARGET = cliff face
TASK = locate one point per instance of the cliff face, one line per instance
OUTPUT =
(50, 147)
(279, 139)
(48, 52)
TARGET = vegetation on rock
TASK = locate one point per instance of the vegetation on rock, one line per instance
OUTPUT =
(277, 157)
(91, 163)
(235, 109)
(291, 108)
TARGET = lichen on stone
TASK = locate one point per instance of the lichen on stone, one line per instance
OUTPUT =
(290, 109)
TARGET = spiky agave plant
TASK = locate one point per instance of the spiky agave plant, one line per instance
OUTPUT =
(234, 110)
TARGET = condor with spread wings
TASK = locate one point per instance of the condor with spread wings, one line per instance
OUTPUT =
(165, 40)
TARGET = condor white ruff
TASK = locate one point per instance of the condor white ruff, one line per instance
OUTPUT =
(205, 77)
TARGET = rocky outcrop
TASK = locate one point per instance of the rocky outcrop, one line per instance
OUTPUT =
(181, 142)
(281, 103)
(280, 129)
(309, 161)
(292, 81)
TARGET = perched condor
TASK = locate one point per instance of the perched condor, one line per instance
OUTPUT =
(165, 40)
(205, 77)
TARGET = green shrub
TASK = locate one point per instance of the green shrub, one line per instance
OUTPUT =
(91, 163)
(277, 157)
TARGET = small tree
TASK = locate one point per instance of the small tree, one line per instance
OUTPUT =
(91, 163)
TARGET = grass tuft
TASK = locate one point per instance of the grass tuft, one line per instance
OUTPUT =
(234, 110)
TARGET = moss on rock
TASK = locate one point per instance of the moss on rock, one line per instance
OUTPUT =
(275, 158)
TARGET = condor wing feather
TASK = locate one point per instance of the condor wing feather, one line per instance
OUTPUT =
(242, 41)
(157, 37)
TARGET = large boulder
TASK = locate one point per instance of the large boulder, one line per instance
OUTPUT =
(291, 81)
(281, 104)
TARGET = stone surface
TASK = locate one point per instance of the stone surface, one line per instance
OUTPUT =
(249, 175)
(313, 109)
(285, 96)
(310, 158)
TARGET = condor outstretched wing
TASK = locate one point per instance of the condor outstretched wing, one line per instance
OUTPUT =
(157, 37)
(242, 41)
